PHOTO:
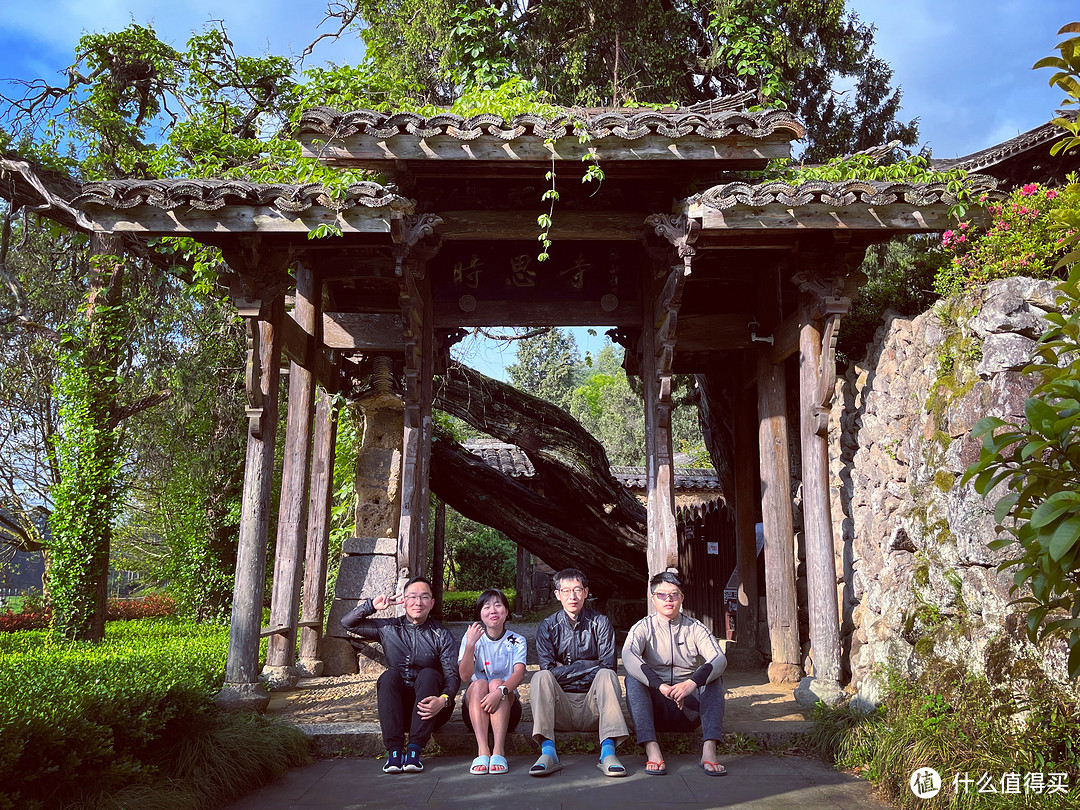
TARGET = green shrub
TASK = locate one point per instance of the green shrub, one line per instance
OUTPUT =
(959, 725)
(484, 560)
(80, 721)
(460, 606)
(1021, 241)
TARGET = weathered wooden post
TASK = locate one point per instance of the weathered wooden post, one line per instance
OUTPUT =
(438, 555)
(746, 485)
(778, 523)
(658, 337)
(821, 299)
(280, 670)
(310, 663)
(242, 688)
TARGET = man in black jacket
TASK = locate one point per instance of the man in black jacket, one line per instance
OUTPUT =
(423, 675)
(576, 688)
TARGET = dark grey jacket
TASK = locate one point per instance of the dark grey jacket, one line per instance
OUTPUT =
(409, 647)
(574, 653)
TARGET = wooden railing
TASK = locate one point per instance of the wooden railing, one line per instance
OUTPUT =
(706, 561)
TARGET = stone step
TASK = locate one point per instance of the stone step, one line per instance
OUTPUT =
(454, 739)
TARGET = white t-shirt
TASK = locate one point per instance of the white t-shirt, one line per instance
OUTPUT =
(495, 658)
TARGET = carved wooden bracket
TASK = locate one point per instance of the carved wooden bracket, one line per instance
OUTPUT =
(827, 303)
(681, 232)
(253, 375)
(408, 229)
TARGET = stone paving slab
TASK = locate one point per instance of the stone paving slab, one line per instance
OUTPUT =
(754, 781)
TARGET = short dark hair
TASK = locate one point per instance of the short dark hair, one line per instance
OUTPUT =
(414, 580)
(488, 595)
(670, 577)
(568, 574)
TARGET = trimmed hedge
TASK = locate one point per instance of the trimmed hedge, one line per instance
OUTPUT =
(34, 616)
(80, 721)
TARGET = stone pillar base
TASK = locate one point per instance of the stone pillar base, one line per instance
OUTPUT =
(243, 697)
(309, 667)
(279, 679)
(812, 690)
(784, 673)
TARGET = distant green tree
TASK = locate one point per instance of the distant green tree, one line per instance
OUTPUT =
(548, 366)
(477, 556)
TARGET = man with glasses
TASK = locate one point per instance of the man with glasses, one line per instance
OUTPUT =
(417, 692)
(576, 688)
(673, 668)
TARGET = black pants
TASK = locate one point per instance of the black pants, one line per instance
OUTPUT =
(397, 707)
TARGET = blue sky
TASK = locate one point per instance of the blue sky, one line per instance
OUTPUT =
(964, 65)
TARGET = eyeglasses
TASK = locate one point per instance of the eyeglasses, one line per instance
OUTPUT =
(571, 591)
(418, 597)
(667, 596)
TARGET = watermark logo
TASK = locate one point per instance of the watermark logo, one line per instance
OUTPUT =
(925, 783)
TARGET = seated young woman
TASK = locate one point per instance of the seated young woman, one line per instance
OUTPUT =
(492, 662)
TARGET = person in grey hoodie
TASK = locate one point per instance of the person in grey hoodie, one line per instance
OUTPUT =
(673, 668)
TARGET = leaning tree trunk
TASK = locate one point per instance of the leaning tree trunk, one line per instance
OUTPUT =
(585, 517)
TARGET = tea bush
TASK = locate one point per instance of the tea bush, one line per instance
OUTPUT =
(82, 721)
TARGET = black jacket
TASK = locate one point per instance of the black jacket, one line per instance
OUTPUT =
(574, 653)
(409, 647)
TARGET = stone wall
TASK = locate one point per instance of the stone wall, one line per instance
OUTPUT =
(918, 581)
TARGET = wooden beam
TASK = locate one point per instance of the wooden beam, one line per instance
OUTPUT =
(621, 226)
(627, 311)
(147, 220)
(818, 216)
(241, 667)
(305, 351)
(368, 151)
(367, 332)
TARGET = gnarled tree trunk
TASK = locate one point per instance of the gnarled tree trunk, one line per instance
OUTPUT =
(585, 518)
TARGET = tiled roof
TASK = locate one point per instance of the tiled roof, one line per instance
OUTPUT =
(686, 478)
(839, 194)
(210, 195)
(626, 124)
(509, 459)
(1043, 135)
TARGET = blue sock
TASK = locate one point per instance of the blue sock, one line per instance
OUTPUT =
(548, 747)
(607, 748)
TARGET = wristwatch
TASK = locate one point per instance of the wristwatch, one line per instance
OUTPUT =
(504, 691)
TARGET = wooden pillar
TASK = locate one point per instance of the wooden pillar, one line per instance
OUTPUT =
(776, 513)
(417, 325)
(662, 537)
(817, 518)
(438, 553)
(663, 299)
(263, 374)
(744, 417)
(280, 671)
(523, 580)
(318, 536)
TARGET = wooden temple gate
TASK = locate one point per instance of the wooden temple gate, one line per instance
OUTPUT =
(731, 279)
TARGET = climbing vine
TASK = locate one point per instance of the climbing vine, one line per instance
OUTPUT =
(87, 453)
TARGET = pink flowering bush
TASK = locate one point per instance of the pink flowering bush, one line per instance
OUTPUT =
(1021, 241)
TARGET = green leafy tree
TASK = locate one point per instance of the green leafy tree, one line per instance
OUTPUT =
(547, 366)
(790, 52)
